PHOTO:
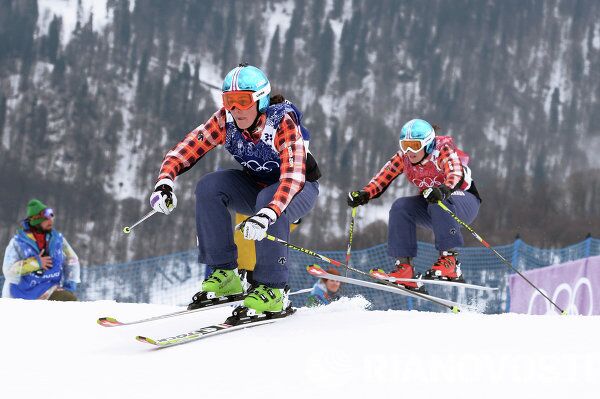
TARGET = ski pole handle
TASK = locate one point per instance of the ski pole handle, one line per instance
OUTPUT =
(127, 229)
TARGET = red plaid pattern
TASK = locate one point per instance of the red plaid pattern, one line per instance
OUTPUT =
(392, 169)
(450, 163)
(194, 146)
(288, 142)
(447, 161)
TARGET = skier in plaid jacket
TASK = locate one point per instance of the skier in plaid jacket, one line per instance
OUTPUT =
(439, 170)
(276, 185)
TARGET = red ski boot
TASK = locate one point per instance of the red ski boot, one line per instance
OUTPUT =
(446, 267)
(402, 271)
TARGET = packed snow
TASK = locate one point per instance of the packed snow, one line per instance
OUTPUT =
(56, 350)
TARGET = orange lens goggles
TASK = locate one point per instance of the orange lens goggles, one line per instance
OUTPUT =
(411, 145)
(238, 99)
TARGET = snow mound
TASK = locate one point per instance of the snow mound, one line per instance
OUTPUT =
(355, 303)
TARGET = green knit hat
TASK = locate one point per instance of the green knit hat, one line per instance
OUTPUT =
(34, 207)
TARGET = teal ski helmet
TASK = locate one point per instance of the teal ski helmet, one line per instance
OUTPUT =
(417, 130)
(249, 78)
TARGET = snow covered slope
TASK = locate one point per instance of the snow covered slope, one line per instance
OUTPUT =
(56, 350)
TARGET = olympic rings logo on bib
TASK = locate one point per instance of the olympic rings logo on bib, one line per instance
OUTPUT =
(426, 182)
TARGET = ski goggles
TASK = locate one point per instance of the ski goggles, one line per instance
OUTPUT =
(47, 214)
(412, 145)
(243, 99)
(238, 99)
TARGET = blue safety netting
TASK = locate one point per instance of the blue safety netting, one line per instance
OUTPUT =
(173, 279)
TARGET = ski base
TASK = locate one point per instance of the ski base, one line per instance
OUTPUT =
(236, 322)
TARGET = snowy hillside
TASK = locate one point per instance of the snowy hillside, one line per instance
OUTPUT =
(93, 93)
(56, 350)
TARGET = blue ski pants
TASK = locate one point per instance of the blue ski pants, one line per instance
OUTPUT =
(408, 212)
(224, 190)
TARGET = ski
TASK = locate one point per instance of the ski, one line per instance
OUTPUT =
(386, 277)
(201, 333)
(317, 271)
(233, 323)
(219, 302)
(453, 307)
(112, 322)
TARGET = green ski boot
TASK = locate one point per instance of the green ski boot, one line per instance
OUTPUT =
(266, 299)
(223, 285)
(223, 282)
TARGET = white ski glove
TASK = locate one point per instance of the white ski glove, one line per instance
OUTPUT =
(255, 227)
(163, 198)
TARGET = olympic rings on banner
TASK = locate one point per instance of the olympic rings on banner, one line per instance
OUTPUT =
(571, 307)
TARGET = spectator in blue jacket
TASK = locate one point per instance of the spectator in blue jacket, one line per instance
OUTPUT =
(39, 263)
(325, 291)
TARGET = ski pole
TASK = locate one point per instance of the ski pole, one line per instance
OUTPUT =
(488, 246)
(350, 237)
(324, 258)
(334, 262)
(127, 229)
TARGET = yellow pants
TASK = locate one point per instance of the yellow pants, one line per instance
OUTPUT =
(246, 249)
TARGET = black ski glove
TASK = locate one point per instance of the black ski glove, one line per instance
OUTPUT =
(435, 194)
(357, 198)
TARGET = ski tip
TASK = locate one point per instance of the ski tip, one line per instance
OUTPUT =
(146, 340)
(455, 309)
(378, 273)
(109, 322)
(315, 270)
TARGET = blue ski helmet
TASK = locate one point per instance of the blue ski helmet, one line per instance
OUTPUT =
(247, 77)
(418, 129)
